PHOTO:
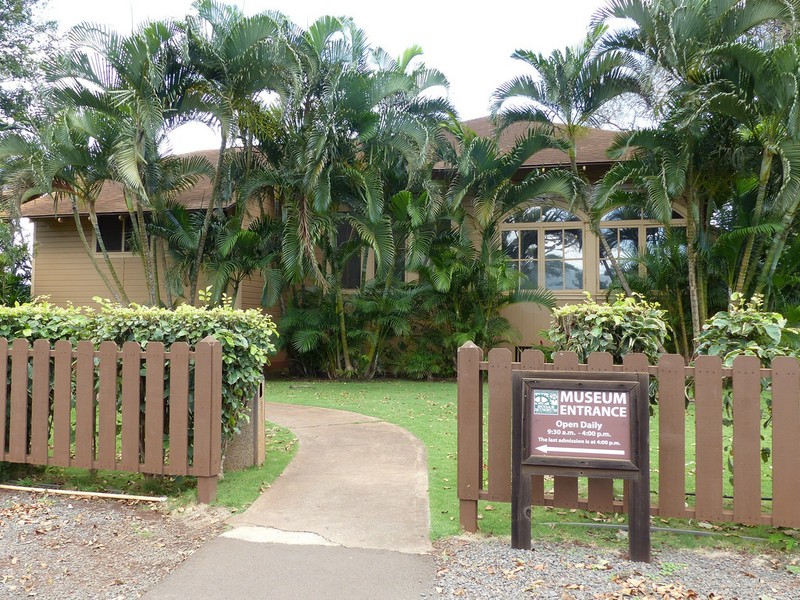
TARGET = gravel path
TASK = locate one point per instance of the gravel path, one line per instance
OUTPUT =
(470, 567)
(66, 547)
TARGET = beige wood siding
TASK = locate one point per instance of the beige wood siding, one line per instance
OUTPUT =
(63, 271)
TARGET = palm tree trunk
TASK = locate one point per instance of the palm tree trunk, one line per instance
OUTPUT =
(763, 180)
(348, 367)
(776, 248)
(92, 258)
(154, 262)
(686, 350)
(212, 202)
(165, 268)
(595, 229)
(147, 257)
(691, 257)
(106, 258)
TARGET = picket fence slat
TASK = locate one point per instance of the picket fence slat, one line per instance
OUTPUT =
(107, 405)
(671, 437)
(131, 394)
(154, 409)
(500, 395)
(84, 405)
(786, 435)
(708, 440)
(178, 409)
(18, 428)
(62, 403)
(600, 493)
(747, 440)
(40, 402)
(3, 397)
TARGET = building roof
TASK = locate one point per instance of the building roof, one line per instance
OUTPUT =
(112, 201)
(591, 148)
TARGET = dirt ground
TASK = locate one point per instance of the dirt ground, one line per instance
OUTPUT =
(65, 547)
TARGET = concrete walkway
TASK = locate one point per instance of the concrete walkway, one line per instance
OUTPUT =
(348, 518)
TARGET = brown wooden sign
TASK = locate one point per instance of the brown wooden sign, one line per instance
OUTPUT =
(588, 421)
(594, 426)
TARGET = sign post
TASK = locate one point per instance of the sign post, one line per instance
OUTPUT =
(596, 426)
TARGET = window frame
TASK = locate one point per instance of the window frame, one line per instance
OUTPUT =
(591, 246)
(125, 221)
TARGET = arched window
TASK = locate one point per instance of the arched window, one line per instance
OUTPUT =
(546, 244)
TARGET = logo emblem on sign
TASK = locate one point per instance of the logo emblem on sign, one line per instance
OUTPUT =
(545, 402)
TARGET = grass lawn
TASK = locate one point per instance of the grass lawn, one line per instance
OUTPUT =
(428, 410)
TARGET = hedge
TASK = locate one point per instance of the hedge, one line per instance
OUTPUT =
(246, 336)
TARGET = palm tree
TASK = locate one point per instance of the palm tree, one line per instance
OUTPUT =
(674, 41)
(65, 159)
(239, 60)
(139, 83)
(758, 87)
(569, 90)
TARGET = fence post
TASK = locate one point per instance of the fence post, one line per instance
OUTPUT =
(470, 426)
(208, 417)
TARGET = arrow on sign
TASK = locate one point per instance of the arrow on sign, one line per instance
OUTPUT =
(547, 449)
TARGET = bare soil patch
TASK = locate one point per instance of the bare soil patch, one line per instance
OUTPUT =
(68, 547)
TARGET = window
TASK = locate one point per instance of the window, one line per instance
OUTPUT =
(539, 246)
(351, 270)
(624, 245)
(630, 232)
(115, 230)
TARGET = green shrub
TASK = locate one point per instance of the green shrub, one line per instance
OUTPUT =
(744, 329)
(626, 325)
(246, 337)
(41, 320)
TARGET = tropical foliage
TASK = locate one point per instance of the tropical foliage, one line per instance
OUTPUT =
(629, 324)
(343, 181)
(247, 338)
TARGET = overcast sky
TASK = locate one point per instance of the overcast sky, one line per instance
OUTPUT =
(470, 42)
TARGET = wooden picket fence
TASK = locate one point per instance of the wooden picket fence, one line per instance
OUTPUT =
(670, 498)
(105, 408)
